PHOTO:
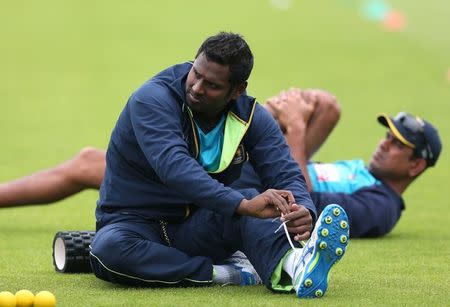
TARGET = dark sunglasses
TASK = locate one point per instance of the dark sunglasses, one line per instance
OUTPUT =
(415, 125)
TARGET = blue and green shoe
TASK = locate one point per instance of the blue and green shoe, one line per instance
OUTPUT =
(326, 246)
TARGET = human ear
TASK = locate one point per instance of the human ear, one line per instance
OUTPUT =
(417, 167)
(238, 90)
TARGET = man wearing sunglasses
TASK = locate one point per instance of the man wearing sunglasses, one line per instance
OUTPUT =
(371, 195)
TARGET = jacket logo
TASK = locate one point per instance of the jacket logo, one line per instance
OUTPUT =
(240, 155)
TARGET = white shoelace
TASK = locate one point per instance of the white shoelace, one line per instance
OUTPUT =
(283, 224)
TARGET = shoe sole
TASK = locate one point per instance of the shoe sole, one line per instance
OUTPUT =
(332, 235)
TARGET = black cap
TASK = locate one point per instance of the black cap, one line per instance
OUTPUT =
(415, 133)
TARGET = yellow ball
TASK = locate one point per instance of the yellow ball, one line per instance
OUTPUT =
(44, 299)
(7, 299)
(24, 298)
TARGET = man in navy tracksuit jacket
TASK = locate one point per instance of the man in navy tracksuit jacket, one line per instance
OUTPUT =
(161, 218)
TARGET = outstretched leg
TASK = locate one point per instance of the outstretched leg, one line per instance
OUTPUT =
(84, 171)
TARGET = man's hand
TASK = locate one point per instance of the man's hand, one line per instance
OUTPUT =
(271, 203)
(300, 222)
(318, 96)
(290, 108)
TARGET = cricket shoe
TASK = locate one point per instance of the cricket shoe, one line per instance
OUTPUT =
(248, 274)
(326, 246)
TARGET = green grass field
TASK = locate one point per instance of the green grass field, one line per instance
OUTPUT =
(67, 68)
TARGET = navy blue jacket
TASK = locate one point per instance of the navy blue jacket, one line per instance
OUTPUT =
(373, 211)
(151, 166)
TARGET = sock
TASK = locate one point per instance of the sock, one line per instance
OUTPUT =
(288, 263)
(290, 260)
(226, 274)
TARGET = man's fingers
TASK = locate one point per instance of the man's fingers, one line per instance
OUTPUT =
(303, 236)
(289, 197)
(271, 110)
(270, 212)
(281, 203)
(295, 94)
(275, 105)
(299, 229)
(298, 221)
(309, 95)
(298, 214)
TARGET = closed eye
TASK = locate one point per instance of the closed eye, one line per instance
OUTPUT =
(212, 85)
(209, 84)
(196, 73)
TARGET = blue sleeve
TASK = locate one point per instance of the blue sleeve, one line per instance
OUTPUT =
(372, 212)
(157, 124)
(271, 158)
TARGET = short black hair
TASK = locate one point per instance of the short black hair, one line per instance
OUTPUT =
(232, 50)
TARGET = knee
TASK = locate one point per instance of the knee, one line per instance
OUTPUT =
(104, 249)
(328, 104)
(103, 256)
(89, 155)
(334, 107)
(88, 166)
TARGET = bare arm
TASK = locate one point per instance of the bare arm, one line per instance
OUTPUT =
(295, 137)
(293, 112)
(306, 118)
(324, 118)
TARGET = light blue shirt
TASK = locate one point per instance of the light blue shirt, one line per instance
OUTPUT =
(341, 176)
(211, 145)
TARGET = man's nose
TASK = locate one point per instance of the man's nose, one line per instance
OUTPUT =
(197, 87)
(385, 143)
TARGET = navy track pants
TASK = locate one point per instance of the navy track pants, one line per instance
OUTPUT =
(132, 250)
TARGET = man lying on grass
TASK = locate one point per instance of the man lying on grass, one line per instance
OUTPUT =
(371, 195)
